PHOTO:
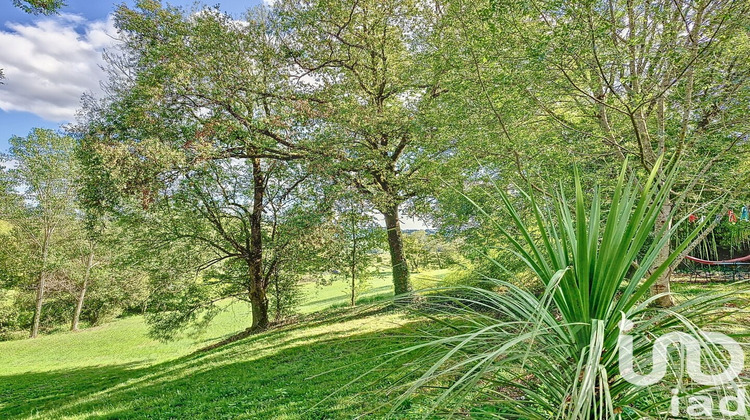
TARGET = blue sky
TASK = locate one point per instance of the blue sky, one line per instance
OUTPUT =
(50, 61)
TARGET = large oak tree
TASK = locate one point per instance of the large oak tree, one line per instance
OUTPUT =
(375, 67)
(191, 92)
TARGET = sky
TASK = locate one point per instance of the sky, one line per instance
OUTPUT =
(51, 61)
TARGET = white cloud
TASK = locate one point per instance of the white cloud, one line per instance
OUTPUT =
(9, 164)
(50, 63)
(407, 223)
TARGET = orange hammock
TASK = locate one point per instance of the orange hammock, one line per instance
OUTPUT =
(746, 258)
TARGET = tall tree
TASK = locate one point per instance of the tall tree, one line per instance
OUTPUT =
(88, 264)
(594, 82)
(86, 256)
(39, 199)
(193, 93)
(372, 64)
(201, 226)
(654, 78)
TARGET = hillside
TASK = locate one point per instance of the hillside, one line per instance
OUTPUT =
(116, 371)
(310, 369)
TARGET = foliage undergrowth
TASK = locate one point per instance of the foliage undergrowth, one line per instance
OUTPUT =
(554, 355)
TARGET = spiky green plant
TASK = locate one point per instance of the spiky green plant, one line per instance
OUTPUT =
(523, 356)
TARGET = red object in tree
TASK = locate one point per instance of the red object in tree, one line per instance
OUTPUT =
(732, 216)
(744, 259)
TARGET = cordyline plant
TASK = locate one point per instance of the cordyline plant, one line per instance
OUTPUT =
(513, 354)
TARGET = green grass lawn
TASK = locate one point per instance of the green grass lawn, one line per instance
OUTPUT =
(379, 286)
(116, 371)
(307, 370)
(281, 374)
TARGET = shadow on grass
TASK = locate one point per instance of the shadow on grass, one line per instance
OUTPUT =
(27, 393)
(276, 374)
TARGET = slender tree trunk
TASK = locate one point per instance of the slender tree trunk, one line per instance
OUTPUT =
(354, 256)
(401, 283)
(278, 297)
(38, 307)
(82, 295)
(41, 285)
(257, 292)
(661, 285)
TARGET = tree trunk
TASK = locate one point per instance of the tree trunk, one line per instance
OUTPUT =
(353, 262)
(277, 289)
(38, 307)
(259, 305)
(661, 285)
(354, 257)
(401, 283)
(41, 285)
(258, 298)
(82, 295)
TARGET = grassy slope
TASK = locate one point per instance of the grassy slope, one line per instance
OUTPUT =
(116, 371)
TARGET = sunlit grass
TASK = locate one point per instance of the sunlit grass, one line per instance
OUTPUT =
(380, 286)
(279, 374)
(125, 340)
(117, 371)
(306, 370)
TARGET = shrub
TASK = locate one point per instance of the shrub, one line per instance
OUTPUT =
(554, 355)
